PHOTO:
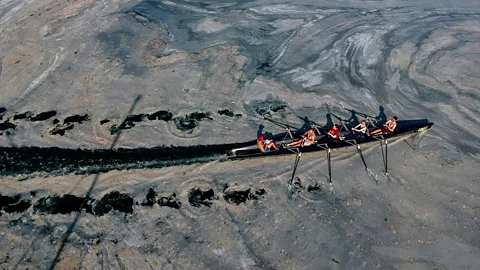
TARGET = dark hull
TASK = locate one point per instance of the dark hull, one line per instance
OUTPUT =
(403, 127)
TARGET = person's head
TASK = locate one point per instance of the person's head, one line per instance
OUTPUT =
(335, 126)
(261, 138)
(364, 122)
(394, 118)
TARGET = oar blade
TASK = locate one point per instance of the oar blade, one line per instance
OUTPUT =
(373, 175)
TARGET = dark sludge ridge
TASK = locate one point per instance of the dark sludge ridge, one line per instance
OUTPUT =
(229, 113)
(67, 204)
(296, 186)
(20, 116)
(119, 201)
(104, 121)
(170, 201)
(43, 116)
(34, 118)
(61, 161)
(68, 124)
(130, 120)
(6, 125)
(115, 200)
(233, 195)
(198, 197)
(14, 204)
(186, 123)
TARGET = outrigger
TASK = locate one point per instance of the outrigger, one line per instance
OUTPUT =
(326, 143)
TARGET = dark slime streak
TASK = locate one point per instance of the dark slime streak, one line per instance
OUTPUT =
(27, 160)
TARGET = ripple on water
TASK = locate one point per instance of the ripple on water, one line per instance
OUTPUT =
(188, 126)
(200, 193)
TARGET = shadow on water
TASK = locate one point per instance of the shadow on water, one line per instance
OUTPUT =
(260, 132)
(382, 117)
(329, 120)
(72, 226)
(353, 120)
(307, 124)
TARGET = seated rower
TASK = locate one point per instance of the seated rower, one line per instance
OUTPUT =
(308, 138)
(387, 128)
(264, 144)
(360, 129)
(334, 132)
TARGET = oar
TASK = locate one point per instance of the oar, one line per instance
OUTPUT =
(297, 160)
(367, 117)
(285, 126)
(359, 150)
(368, 170)
(330, 112)
(329, 167)
(409, 145)
(315, 125)
(305, 119)
(386, 157)
(329, 160)
(330, 170)
(342, 121)
(291, 183)
(279, 124)
(389, 177)
(361, 114)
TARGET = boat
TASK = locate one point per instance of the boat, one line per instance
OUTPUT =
(404, 127)
(326, 143)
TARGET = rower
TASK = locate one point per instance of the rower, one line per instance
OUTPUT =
(308, 138)
(360, 129)
(387, 128)
(334, 132)
(264, 144)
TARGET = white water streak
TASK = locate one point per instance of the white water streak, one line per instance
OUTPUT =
(38, 80)
(11, 12)
(188, 7)
(284, 46)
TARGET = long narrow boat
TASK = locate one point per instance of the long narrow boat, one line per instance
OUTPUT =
(325, 142)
